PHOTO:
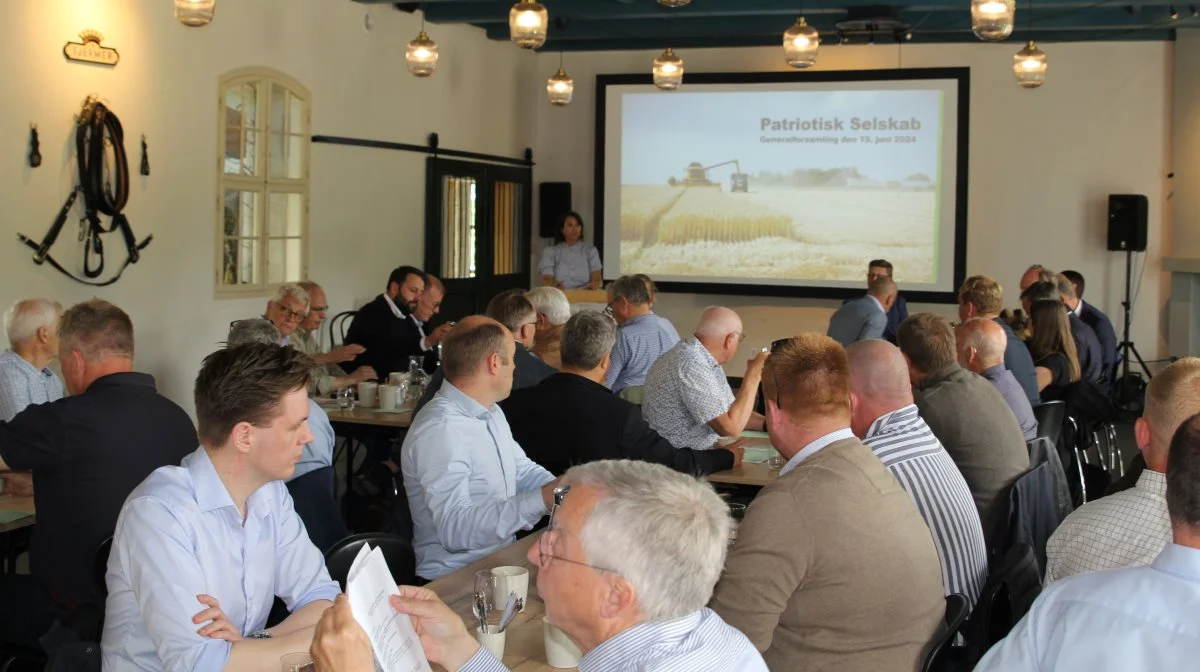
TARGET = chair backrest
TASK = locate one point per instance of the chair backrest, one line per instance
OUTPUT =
(398, 552)
(338, 326)
(1050, 417)
(1011, 588)
(936, 656)
(100, 565)
(1042, 450)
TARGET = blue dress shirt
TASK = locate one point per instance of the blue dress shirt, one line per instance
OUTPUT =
(22, 385)
(572, 265)
(181, 535)
(470, 486)
(318, 453)
(640, 342)
(1136, 618)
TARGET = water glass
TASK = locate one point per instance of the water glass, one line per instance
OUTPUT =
(296, 662)
(738, 513)
(775, 462)
(487, 584)
(416, 363)
(345, 398)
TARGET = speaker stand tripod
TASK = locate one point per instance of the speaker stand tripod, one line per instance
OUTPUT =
(1127, 348)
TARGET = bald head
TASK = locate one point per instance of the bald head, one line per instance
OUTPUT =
(981, 344)
(1036, 273)
(469, 345)
(720, 331)
(879, 382)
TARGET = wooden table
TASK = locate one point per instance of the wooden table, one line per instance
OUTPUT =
(366, 416)
(586, 295)
(10, 503)
(524, 646)
(750, 473)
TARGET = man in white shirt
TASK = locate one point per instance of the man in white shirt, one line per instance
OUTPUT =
(1131, 527)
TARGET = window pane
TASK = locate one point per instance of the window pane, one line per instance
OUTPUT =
(287, 156)
(458, 227)
(286, 215)
(283, 259)
(239, 261)
(279, 108)
(296, 115)
(241, 213)
(275, 260)
(241, 105)
(508, 227)
(294, 257)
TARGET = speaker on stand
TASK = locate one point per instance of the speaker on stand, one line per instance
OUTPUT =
(1128, 216)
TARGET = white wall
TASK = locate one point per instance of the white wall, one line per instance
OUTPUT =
(367, 212)
(1185, 234)
(1042, 163)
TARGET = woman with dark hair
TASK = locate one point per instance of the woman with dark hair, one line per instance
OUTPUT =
(1054, 357)
(571, 263)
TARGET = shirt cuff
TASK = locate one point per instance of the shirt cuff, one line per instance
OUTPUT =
(532, 506)
(322, 591)
(483, 661)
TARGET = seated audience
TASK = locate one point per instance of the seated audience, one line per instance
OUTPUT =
(1137, 618)
(880, 268)
(32, 329)
(1071, 285)
(981, 344)
(1131, 527)
(650, 287)
(642, 336)
(1033, 274)
(383, 327)
(1087, 346)
(512, 310)
(625, 569)
(833, 567)
(553, 310)
(966, 414)
(571, 418)
(571, 263)
(87, 452)
(311, 483)
(981, 296)
(470, 486)
(286, 309)
(885, 418)
(1053, 349)
(865, 318)
(328, 377)
(428, 306)
(687, 396)
(213, 541)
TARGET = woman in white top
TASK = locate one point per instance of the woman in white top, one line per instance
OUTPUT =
(571, 263)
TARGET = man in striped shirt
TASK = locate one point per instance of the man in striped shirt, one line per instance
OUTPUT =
(886, 419)
(642, 338)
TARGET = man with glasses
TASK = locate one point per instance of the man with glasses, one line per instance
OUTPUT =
(286, 310)
(687, 398)
(642, 336)
(624, 569)
(327, 375)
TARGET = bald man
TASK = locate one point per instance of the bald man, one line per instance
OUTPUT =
(885, 417)
(1035, 273)
(981, 344)
(687, 396)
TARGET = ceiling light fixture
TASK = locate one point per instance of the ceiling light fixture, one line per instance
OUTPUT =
(195, 13)
(993, 20)
(421, 56)
(527, 23)
(1029, 64)
(673, 3)
(668, 71)
(800, 44)
(560, 88)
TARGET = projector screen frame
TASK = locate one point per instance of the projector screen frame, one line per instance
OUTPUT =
(962, 76)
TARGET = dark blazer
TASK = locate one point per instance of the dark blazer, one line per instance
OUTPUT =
(389, 340)
(567, 420)
(529, 372)
(1099, 322)
(1087, 346)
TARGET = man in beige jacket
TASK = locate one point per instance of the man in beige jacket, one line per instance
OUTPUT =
(834, 568)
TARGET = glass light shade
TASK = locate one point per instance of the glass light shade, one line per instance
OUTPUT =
(992, 20)
(560, 88)
(668, 71)
(527, 22)
(1029, 66)
(800, 43)
(195, 13)
(421, 56)
(673, 3)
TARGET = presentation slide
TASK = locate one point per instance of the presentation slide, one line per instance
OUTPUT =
(794, 184)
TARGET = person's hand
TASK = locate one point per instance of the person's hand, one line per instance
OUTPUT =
(364, 373)
(218, 626)
(594, 284)
(738, 448)
(345, 353)
(438, 334)
(18, 484)
(443, 636)
(756, 364)
(339, 643)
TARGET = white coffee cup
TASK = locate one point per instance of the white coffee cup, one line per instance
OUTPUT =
(560, 650)
(511, 579)
(389, 397)
(492, 639)
(366, 394)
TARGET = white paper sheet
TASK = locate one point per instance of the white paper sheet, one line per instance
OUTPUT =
(369, 585)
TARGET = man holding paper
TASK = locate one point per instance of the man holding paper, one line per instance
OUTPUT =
(470, 486)
(218, 534)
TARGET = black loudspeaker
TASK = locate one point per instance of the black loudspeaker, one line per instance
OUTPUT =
(554, 201)
(1127, 215)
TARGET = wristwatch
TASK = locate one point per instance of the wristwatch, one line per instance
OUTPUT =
(259, 634)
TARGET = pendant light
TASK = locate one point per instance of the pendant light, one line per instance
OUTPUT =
(527, 23)
(993, 20)
(673, 3)
(668, 71)
(421, 56)
(1029, 64)
(194, 13)
(800, 43)
(560, 88)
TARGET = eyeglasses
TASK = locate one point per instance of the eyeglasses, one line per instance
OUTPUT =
(318, 309)
(608, 309)
(552, 533)
(288, 313)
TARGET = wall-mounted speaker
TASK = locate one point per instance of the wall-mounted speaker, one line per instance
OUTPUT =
(554, 201)
(1128, 216)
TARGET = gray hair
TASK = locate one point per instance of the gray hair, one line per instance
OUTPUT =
(25, 317)
(1065, 286)
(96, 329)
(551, 302)
(1043, 274)
(587, 338)
(286, 290)
(252, 331)
(631, 288)
(664, 532)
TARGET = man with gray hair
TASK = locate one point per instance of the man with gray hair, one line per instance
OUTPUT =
(625, 569)
(642, 338)
(571, 418)
(286, 309)
(32, 329)
(981, 345)
(553, 311)
(1087, 345)
(327, 375)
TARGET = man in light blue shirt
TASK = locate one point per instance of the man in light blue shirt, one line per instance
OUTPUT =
(32, 329)
(470, 486)
(642, 338)
(212, 542)
(1137, 618)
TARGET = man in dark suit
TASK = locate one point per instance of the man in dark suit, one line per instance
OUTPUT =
(1087, 345)
(1072, 293)
(866, 318)
(384, 326)
(571, 417)
(899, 311)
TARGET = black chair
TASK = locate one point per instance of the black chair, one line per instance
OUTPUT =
(1051, 416)
(1011, 588)
(338, 326)
(398, 552)
(939, 656)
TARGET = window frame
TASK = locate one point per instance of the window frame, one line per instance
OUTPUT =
(263, 183)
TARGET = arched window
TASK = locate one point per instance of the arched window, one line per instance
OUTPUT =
(263, 167)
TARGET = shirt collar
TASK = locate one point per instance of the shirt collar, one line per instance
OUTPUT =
(1181, 561)
(638, 318)
(24, 363)
(465, 402)
(693, 342)
(392, 304)
(131, 378)
(890, 422)
(1153, 482)
(211, 493)
(662, 635)
(1079, 309)
(992, 372)
(938, 376)
(877, 302)
(812, 448)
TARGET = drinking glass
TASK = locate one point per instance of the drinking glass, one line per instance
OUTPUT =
(775, 462)
(484, 603)
(296, 662)
(738, 513)
(416, 363)
(345, 398)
